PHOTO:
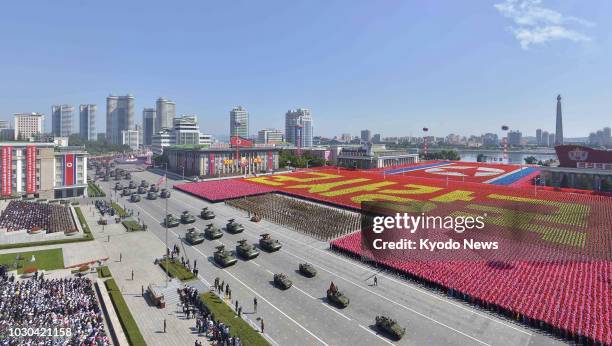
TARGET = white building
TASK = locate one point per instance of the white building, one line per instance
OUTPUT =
(239, 122)
(28, 125)
(61, 120)
(87, 122)
(161, 140)
(119, 117)
(130, 138)
(269, 136)
(298, 127)
(165, 112)
(186, 130)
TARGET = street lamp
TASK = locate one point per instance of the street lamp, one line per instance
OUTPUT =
(505, 129)
(425, 139)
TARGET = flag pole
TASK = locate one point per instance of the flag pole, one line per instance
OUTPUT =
(167, 250)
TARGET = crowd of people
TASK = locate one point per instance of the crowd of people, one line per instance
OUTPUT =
(316, 220)
(20, 215)
(67, 303)
(104, 207)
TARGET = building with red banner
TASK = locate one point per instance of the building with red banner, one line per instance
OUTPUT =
(42, 170)
(580, 167)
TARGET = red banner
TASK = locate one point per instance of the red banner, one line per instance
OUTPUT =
(237, 141)
(211, 163)
(30, 169)
(69, 169)
(7, 170)
(270, 161)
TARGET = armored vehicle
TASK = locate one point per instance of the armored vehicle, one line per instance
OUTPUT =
(142, 190)
(171, 221)
(390, 327)
(282, 281)
(207, 214)
(144, 183)
(112, 173)
(154, 188)
(165, 193)
(133, 184)
(224, 258)
(135, 197)
(336, 297)
(246, 250)
(151, 195)
(269, 244)
(308, 270)
(128, 175)
(118, 186)
(234, 227)
(117, 177)
(212, 232)
(106, 178)
(194, 237)
(187, 218)
(126, 191)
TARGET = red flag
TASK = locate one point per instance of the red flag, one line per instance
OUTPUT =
(162, 180)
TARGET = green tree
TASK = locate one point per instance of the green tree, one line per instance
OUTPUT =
(530, 160)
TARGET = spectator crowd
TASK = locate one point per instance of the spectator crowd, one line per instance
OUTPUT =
(20, 215)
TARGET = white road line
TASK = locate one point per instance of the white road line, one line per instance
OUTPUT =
(306, 293)
(376, 335)
(396, 303)
(334, 310)
(269, 272)
(255, 263)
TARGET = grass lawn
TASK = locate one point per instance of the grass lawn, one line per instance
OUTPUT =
(104, 272)
(238, 327)
(45, 259)
(177, 270)
(130, 328)
(119, 210)
(132, 225)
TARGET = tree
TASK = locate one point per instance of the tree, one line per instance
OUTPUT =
(530, 160)
(481, 158)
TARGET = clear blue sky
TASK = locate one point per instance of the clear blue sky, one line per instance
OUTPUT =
(391, 66)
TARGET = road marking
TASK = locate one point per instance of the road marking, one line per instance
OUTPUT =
(306, 293)
(396, 303)
(255, 263)
(376, 335)
(334, 310)
(269, 272)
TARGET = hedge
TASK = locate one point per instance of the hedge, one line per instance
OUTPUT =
(238, 326)
(84, 224)
(132, 226)
(176, 270)
(119, 210)
(130, 328)
(104, 272)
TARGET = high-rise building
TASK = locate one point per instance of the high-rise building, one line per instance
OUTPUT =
(119, 117)
(148, 126)
(298, 127)
(6, 132)
(239, 122)
(366, 136)
(551, 139)
(269, 136)
(559, 124)
(130, 138)
(61, 120)
(515, 138)
(601, 138)
(28, 126)
(87, 122)
(539, 137)
(165, 112)
(376, 138)
(544, 142)
(186, 130)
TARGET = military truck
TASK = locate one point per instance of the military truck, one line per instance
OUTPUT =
(128, 176)
(118, 186)
(165, 193)
(282, 281)
(246, 250)
(132, 184)
(151, 195)
(171, 221)
(335, 297)
(126, 192)
(144, 183)
(187, 218)
(389, 327)
(142, 190)
(308, 270)
(194, 237)
(211, 232)
(224, 258)
(234, 227)
(267, 243)
(135, 197)
(154, 188)
(207, 214)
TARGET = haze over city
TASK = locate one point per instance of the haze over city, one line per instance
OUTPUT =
(392, 67)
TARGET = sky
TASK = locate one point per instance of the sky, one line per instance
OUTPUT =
(393, 67)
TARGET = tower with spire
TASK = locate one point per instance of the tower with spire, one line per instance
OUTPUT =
(559, 125)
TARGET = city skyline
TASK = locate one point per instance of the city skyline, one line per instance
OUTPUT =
(506, 73)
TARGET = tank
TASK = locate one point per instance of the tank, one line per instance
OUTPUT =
(126, 191)
(224, 258)
(128, 175)
(112, 173)
(194, 237)
(389, 327)
(187, 218)
(118, 186)
(234, 227)
(308, 270)
(154, 188)
(132, 184)
(165, 193)
(142, 190)
(135, 197)
(335, 297)
(282, 281)
(144, 183)
(151, 195)
(106, 178)
(207, 214)
(171, 221)
(212, 232)
(267, 243)
(246, 250)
